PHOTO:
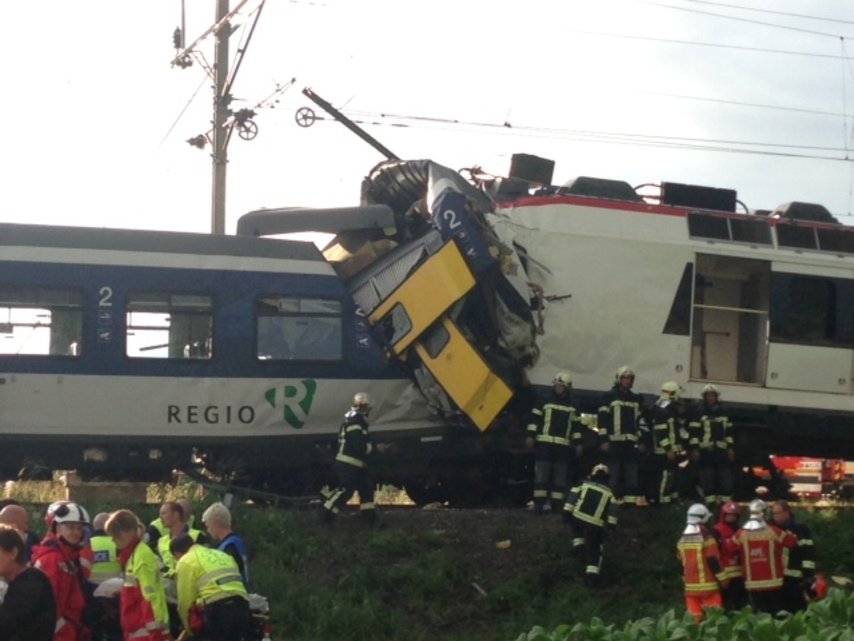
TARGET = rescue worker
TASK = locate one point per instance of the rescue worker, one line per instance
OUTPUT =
(173, 518)
(762, 548)
(699, 554)
(351, 463)
(619, 420)
(554, 429)
(209, 580)
(102, 613)
(217, 520)
(733, 592)
(800, 565)
(591, 509)
(16, 515)
(58, 556)
(144, 615)
(156, 528)
(711, 447)
(666, 441)
(28, 611)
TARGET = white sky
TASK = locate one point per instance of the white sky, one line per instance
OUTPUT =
(90, 96)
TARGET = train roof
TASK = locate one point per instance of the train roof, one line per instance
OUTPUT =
(137, 240)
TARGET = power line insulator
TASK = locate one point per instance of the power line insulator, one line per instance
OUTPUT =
(178, 38)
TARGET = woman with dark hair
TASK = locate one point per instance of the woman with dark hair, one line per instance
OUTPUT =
(28, 612)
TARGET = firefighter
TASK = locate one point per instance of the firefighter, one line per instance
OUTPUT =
(800, 566)
(351, 463)
(144, 614)
(591, 509)
(666, 442)
(733, 592)
(554, 433)
(702, 570)
(762, 548)
(58, 556)
(210, 585)
(619, 422)
(711, 447)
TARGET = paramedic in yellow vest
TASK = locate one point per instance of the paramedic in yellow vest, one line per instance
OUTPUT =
(156, 529)
(173, 518)
(208, 580)
(102, 613)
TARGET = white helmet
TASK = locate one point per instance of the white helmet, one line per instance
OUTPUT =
(698, 513)
(758, 508)
(625, 370)
(711, 389)
(563, 377)
(69, 512)
(361, 401)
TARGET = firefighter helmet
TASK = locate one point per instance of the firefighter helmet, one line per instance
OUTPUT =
(698, 513)
(711, 389)
(599, 470)
(563, 377)
(758, 508)
(816, 588)
(671, 389)
(361, 401)
(70, 512)
(625, 370)
(730, 507)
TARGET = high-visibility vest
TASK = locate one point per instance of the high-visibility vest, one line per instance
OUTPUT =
(105, 564)
(699, 555)
(205, 576)
(169, 561)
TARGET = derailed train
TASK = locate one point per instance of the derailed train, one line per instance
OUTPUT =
(450, 301)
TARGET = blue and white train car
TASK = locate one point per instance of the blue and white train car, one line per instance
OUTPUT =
(134, 351)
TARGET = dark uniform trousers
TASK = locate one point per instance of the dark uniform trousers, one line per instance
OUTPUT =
(227, 620)
(351, 479)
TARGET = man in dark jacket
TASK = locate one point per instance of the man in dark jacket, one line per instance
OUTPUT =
(351, 463)
(800, 568)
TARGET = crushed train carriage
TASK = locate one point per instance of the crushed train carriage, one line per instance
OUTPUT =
(449, 300)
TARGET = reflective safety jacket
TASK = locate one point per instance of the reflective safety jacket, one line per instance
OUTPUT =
(142, 600)
(167, 561)
(762, 558)
(710, 429)
(556, 422)
(61, 563)
(105, 562)
(592, 503)
(666, 425)
(730, 553)
(619, 415)
(206, 576)
(354, 443)
(800, 561)
(701, 563)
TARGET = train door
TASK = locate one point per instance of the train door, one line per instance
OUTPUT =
(729, 333)
(812, 328)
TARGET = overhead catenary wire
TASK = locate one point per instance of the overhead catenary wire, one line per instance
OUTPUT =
(771, 11)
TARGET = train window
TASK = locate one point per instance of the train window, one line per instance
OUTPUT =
(836, 240)
(750, 229)
(40, 321)
(435, 340)
(790, 235)
(706, 226)
(812, 310)
(167, 325)
(305, 329)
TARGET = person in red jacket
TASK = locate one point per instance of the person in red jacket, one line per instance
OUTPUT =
(142, 601)
(699, 554)
(58, 556)
(762, 547)
(733, 592)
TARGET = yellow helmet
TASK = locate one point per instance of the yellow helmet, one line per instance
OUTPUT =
(625, 370)
(671, 389)
(563, 377)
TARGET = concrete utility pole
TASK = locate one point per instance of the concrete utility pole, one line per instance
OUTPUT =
(219, 136)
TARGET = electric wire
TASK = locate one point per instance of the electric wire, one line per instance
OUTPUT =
(772, 11)
(739, 19)
(181, 113)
